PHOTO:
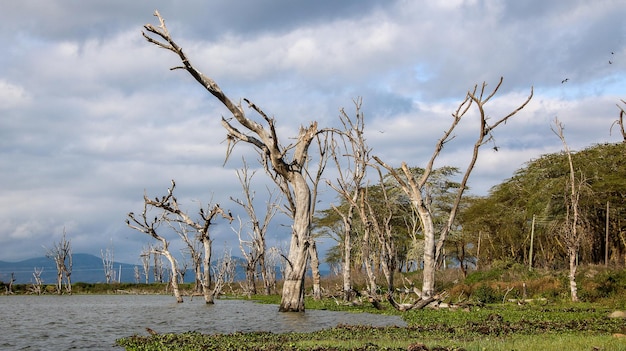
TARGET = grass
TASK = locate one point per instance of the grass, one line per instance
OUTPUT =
(493, 327)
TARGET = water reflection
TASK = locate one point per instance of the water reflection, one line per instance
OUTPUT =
(95, 321)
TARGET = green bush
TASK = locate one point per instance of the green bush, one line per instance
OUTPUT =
(486, 294)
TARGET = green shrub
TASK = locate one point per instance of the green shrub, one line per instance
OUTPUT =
(486, 294)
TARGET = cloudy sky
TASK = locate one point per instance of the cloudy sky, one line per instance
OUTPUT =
(91, 116)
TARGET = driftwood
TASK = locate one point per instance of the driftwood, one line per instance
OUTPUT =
(417, 305)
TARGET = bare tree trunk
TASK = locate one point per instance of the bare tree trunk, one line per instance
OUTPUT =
(315, 272)
(367, 260)
(293, 285)
(206, 270)
(348, 293)
(173, 271)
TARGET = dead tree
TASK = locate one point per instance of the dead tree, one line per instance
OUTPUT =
(37, 286)
(569, 230)
(224, 272)
(172, 214)
(9, 287)
(150, 227)
(137, 274)
(61, 253)
(157, 266)
(253, 247)
(145, 262)
(413, 186)
(193, 249)
(349, 144)
(285, 164)
(378, 216)
(107, 263)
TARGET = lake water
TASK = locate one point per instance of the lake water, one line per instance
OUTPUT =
(94, 322)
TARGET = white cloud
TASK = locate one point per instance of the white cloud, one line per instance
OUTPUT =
(92, 116)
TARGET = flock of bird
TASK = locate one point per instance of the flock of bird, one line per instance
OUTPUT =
(610, 63)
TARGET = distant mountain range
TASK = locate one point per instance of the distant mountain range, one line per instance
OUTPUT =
(88, 268)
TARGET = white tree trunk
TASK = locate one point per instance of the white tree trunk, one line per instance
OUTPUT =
(572, 275)
(293, 288)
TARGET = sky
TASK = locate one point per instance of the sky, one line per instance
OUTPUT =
(92, 117)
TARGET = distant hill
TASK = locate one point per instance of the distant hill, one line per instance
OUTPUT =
(86, 268)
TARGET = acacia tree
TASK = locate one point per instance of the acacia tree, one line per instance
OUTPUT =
(285, 164)
(414, 186)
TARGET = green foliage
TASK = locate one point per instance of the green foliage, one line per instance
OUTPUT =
(485, 294)
(495, 327)
(504, 218)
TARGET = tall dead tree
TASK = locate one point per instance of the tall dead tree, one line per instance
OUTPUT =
(570, 232)
(61, 253)
(285, 164)
(349, 145)
(414, 186)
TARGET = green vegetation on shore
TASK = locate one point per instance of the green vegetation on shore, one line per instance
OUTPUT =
(496, 318)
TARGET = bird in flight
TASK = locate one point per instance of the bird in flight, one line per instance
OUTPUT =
(565, 80)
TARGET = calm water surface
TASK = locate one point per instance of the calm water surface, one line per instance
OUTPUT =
(94, 322)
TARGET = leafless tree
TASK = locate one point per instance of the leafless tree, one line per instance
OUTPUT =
(182, 270)
(157, 266)
(150, 227)
(37, 286)
(9, 287)
(61, 253)
(414, 186)
(172, 214)
(107, 262)
(193, 250)
(351, 145)
(224, 272)
(286, 165)
(253, 246)
(273, 259)
(378, 216)
(145, 262)
(137, 275)
(570, 231)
